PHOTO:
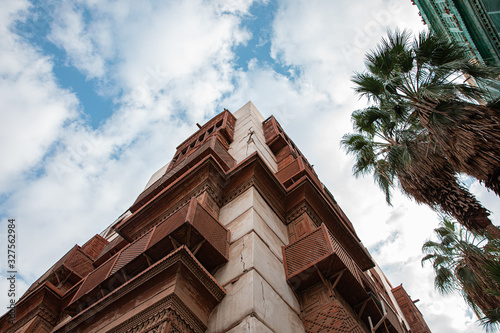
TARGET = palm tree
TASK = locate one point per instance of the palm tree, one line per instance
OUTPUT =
(392, 145)
(492, 316)
(468, 263)
(425, 75)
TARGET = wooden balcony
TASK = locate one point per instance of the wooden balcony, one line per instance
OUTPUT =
(67, 272)
(191, 227)
(175, 294)
(318, 257)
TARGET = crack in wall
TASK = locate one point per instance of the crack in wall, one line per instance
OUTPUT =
(250, 139)
(241, 256)
(263, 298)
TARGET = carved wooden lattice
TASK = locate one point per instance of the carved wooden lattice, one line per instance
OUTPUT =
(331, 318)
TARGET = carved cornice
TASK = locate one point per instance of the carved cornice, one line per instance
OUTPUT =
(40, 325)
(48, 315)
(42, 311)
(298, 210)
(45, 300)
(170, 309)
(253, 171)
(238, 191)
(206, 174)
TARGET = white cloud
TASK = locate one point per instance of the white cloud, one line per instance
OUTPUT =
(169, 65)
(82, 44)
(34, 108)
(235, 6)
(180, 53)
(328, 40)
(146, 49)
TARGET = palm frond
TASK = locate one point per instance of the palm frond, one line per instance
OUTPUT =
(461, 264)
(491, 320)
(443, 282)
(426, 124)
(369, 86)
(364, 120)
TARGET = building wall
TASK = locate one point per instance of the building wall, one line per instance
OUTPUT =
(473, 23)
(257, 292)
(235, 234)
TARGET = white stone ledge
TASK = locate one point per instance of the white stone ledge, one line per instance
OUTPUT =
(250, 252)
(250, 324)
(252, 198)
(249, 221)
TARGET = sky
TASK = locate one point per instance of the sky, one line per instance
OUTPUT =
(96, 94)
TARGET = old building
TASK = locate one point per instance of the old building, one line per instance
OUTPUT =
(235, 234)
(473, 23)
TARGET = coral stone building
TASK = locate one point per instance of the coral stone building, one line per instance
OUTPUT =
(235, 234)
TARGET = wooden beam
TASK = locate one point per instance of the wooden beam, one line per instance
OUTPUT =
(148, 259)
(324, 281)
(174, 242)
(380, 322)
(57, 278)
(363, 306)
(198, 247)
(102, 291)
(65, 279)
(385, 325)
(339, 276)
(124, 275)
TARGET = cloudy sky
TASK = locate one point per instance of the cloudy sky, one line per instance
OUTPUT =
(96, 95)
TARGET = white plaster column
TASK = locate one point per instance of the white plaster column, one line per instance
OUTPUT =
(258, 297)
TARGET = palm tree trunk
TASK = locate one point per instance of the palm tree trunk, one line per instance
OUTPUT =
(468, 135)
(493, 230)
(430, 179)
(485, 301)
